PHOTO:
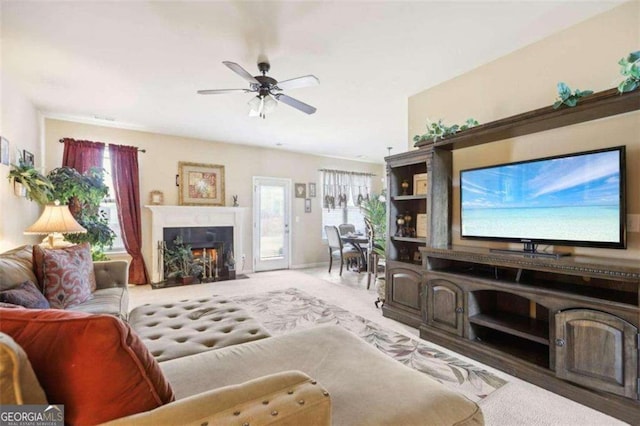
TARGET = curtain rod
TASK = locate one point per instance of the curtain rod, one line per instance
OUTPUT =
(346, 172)
(139, 150)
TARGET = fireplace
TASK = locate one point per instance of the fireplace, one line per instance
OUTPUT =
(211, 247)
(194, 217)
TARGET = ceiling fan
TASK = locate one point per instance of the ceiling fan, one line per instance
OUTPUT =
(268, 90)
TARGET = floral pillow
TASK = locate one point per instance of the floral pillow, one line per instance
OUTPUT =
(26, 294)
(65, 274)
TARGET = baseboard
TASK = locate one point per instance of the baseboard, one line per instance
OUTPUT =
(310, 265)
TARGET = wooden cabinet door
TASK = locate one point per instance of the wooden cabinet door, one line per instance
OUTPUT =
(445, 306)
(597, 350)
(404, 288)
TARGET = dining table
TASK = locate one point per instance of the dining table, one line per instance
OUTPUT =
(359, 242)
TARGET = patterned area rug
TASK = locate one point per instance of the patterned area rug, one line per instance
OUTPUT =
(285, 311)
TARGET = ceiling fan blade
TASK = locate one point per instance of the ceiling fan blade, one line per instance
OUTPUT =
(294, 83)
(222, 91)
(301, 106)
(241, 72)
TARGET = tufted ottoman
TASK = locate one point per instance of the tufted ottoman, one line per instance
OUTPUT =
(173, 330)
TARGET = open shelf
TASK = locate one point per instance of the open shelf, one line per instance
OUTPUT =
(599, 105)
(421, 240)
(523, 349)
(516, 325)
(409, 197)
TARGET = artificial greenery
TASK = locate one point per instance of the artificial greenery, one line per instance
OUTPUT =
(84, 193)
(568, 98)
(374, 209)
(37, 186)
(179, 261)
(630, 69)
(438, 130)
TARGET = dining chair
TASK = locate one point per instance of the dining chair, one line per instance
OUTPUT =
(373, 258)
(337, 249)
(347, 228)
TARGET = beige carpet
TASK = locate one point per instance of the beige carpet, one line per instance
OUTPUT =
(516, 403)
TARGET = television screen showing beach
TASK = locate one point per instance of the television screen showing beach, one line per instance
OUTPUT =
(574, 198)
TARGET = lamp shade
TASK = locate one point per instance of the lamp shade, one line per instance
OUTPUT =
(55, 218)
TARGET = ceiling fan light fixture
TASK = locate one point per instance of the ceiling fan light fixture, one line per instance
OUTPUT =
(270, 104)
(255, 106)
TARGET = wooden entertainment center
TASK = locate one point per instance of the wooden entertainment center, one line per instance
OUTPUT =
(567, 324)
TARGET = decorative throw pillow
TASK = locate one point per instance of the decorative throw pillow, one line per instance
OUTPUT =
(65, 274)
(16, 266)
(18, 382)
(27, 295)
(93, 364)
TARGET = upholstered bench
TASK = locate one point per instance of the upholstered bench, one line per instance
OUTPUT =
(177, 329)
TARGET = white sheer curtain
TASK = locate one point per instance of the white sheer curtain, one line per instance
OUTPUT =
(343, 188)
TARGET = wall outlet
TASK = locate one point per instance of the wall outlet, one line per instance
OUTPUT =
(633, 223)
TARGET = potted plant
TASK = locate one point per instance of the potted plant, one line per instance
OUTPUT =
(84, 193)
(179, 262)
(30, 182)
(374, 209)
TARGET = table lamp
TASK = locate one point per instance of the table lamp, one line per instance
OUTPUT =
(54, 221)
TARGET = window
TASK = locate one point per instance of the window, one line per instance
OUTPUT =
(108, 205)
(348, 186)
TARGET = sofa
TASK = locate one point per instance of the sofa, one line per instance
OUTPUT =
(110, 295)
(235, 375)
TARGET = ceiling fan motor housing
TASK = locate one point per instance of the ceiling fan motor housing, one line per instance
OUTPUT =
(264, 67)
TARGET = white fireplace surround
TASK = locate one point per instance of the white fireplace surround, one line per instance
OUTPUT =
(192, 216)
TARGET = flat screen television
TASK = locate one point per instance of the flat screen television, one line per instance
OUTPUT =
(575, 199)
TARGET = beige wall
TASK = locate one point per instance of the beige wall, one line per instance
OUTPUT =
(584, 56)
(20, 124)
(159, 166)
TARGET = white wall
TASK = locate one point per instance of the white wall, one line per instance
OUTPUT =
(159, 166)
(21, 126)
(584, 56)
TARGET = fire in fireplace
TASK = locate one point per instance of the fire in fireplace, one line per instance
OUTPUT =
(211, 247)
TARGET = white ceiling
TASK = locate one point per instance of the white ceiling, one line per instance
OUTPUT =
(140, 63)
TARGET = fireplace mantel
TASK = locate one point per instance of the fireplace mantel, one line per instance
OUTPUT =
(192, 216)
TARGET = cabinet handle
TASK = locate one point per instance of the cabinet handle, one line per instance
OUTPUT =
(459, 310)
(559, 342)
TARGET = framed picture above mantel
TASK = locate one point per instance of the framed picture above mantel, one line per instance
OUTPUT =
(201, 184)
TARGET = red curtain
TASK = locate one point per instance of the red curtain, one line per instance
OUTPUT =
(126, 182)
(82, 155)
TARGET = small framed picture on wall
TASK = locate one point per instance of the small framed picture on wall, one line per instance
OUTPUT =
(27, 157)
(312, 189)
(307, 205)
(301, 190)
(4, 151)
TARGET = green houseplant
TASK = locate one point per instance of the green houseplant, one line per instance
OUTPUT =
(374, 209)
(179, 262)
(84, 193)
(37, 187)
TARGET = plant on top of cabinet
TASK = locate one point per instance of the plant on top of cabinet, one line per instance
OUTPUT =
(630, 69)
(566, 97)
(438, 130)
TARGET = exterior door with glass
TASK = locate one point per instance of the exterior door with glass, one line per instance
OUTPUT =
(271, 218)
